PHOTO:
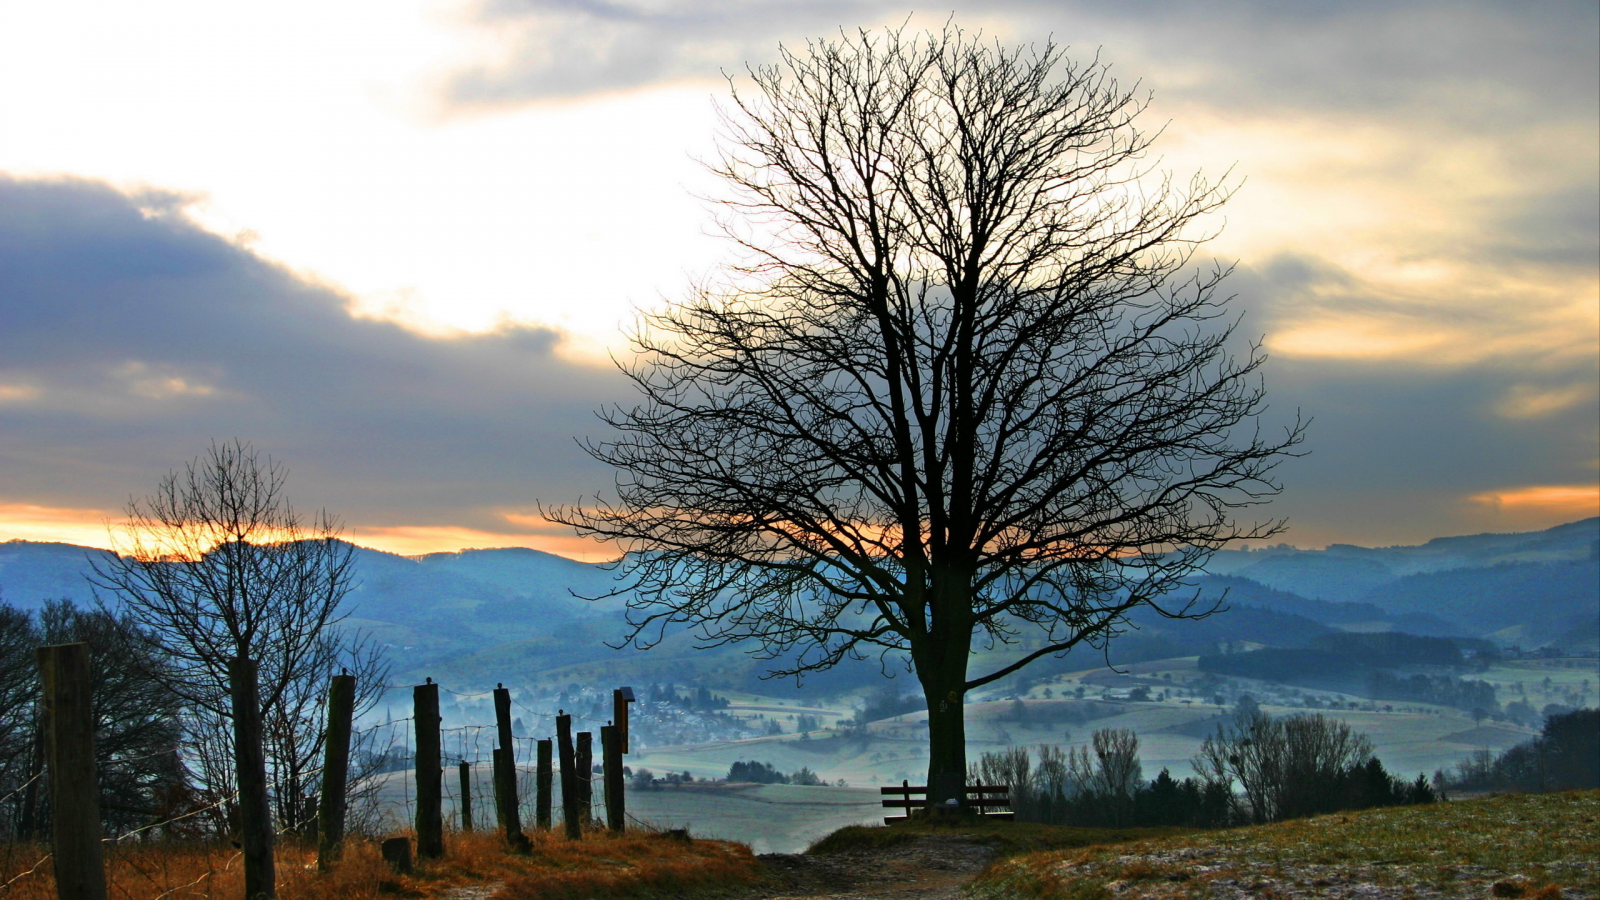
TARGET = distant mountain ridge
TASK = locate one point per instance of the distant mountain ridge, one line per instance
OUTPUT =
(518, 606)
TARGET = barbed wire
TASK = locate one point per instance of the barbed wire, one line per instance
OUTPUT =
(203, 877)
(23, 786)
(31, 870)
(169, 821)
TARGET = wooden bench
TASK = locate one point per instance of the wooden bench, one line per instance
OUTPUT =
(991, 800)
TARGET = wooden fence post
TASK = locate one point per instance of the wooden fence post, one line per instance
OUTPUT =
(250, 767)
(335, 770)
(611, 775)
(498, 783)
(506, 770)
(619, 717)
(583, 768)
(466, 795)
(430, 771)
(569, 787)
(69, 760)
(542, 785)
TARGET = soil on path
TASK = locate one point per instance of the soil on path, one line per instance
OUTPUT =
(933, 867)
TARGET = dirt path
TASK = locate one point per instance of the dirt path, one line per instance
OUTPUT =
(935, 867)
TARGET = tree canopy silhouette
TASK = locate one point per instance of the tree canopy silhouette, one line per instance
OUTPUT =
(962, 386)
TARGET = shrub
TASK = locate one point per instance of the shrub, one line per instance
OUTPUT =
(756, 772)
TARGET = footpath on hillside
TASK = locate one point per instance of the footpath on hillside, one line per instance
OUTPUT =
(931, 867)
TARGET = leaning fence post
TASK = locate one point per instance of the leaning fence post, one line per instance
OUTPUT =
(250, 767)
(569, 787)
(69, 759)
(466, 795)
(335, 770)
(430, 771)
(505, 775)
(542, 785)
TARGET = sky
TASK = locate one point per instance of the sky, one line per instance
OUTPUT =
(395, 245)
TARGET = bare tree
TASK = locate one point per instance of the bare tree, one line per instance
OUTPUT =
(220, 567)
(964, 385)
(1288, 767)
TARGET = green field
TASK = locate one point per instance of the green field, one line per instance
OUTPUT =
(1533, 846)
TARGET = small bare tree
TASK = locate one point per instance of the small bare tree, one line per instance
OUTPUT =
(1286, 767)
(963, 388)
(220, 567)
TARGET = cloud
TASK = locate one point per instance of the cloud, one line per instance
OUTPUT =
(554, 49)
(133, 337)
(1567, 500)
(1402, 450)
(1496, 64)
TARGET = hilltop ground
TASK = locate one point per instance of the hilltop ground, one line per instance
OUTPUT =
(1536, 846)
(1544, 846)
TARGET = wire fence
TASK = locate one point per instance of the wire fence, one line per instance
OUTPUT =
(392, 803)
(382, 791)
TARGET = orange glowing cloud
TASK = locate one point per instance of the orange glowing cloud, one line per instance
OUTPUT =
(95, 527)
(29, 522)
(1565, 501)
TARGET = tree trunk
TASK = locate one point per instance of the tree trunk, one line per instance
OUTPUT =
(28, 828)
(943, 673)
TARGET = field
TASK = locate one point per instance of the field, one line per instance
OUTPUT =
(1181, 709)
(770, 818)
(1536, 846)
(1410, 738)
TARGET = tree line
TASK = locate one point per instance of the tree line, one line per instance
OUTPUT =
(139, 740)
(1565, 756)
(1254, 768)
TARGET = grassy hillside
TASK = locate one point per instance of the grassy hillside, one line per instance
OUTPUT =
(1512, 846)
(640, 865)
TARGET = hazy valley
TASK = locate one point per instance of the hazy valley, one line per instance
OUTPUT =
(1521, 612)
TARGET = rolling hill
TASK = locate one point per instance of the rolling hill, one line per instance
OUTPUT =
(478, 611)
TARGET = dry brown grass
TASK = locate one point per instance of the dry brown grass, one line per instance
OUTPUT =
(637, 864)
